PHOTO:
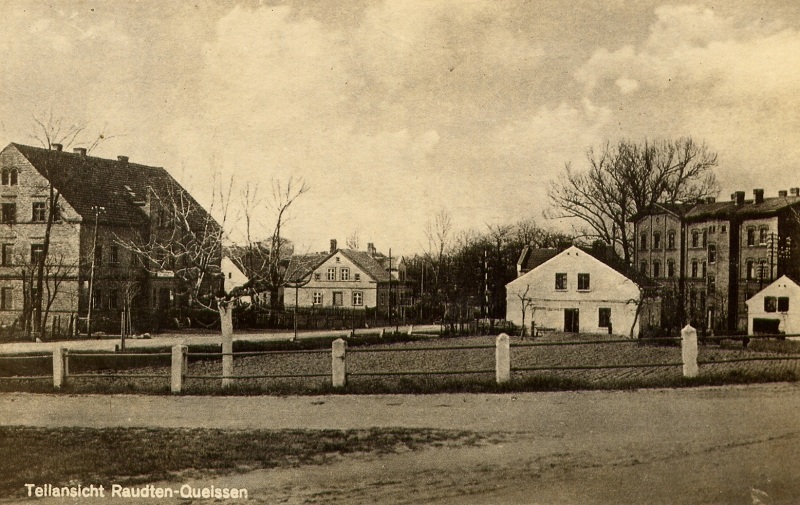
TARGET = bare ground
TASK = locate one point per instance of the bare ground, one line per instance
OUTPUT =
(725, 445)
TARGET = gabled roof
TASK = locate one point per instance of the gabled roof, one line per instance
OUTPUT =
(532, 257)
(301, 265)
(86, 182)
(676, 209)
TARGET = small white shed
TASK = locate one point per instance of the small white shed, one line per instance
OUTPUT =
(775, 309)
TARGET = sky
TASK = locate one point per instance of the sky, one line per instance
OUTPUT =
(393, 111)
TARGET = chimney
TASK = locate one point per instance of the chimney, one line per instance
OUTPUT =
(783, 193)
(733, 197)
(57, 147)
(80, 150)
(371, 249)
(740, 198)
(333, 245)
(710, 199)
(794, 191)
(123, 160)
(759, 195)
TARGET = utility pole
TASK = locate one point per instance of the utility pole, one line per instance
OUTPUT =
(97, 211)
(390, 286)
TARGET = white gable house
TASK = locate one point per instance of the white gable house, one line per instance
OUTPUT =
(775, 309)
(575, 292)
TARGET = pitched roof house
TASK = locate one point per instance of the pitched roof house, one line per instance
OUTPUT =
(102, 204)
(346, 278)
(576, 290)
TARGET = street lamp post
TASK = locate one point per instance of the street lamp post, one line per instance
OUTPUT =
(97, 211)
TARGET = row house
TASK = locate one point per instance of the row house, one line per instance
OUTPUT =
(347, 278)
(102, 206)
(712, 256)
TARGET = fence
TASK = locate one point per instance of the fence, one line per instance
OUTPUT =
(503, 369)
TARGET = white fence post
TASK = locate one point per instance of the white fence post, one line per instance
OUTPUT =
(226, 324)
(179, 361)
(411, 330)
(59, 367)
(338, 363)
(689, 351)
(502, 355)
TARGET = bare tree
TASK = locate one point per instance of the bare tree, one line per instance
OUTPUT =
(284, 194)
(628, 178)
(353, 241)
(525, 303)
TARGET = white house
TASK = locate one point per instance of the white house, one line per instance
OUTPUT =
(573, 291)
(775, 309)
(234, 277)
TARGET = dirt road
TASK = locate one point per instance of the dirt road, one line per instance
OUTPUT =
(709, 445)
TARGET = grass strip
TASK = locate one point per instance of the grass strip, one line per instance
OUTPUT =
(131, 456)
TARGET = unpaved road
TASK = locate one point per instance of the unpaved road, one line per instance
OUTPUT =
(725, 445)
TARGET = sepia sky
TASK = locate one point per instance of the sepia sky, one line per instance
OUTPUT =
(394, 110)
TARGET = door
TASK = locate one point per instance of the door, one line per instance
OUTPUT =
(338, 299)
(571, 320)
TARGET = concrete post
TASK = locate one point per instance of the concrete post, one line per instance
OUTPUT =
(59, 367)
(689, 351)
(411, 330)
(179, 362)
(383, 332)
(338, 363)
(226, 323)
(502, 356)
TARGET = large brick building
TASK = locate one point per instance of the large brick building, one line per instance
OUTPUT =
(103, 206)
(712, 256)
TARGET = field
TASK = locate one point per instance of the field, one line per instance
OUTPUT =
(396, 367)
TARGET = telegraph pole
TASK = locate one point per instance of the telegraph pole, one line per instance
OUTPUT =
(97, 211)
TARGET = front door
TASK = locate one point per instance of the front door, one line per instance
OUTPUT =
(338, 299)
(571, 323)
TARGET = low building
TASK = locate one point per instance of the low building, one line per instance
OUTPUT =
(775, 309)
(575, 291)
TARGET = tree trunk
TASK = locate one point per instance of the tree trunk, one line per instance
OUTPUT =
(225, 308)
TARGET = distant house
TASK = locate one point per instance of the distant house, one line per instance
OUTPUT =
(346, 278)
(234, 277)
(775, 309)
(575, 291)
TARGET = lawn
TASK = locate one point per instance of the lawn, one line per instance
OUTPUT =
(132, 456)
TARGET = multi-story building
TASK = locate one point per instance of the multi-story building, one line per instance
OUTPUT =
(104, 217)
(712, 256)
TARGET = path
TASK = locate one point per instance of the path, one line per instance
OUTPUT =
(723, 445)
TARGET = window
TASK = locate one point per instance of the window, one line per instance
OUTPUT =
(338, 259)
(656, 269)
(113, 255)
(344, 274)
(705, 237)
(693, 299)
(750, 270)
(39, 212)
(643, 268)
(317, 276)
(97, 299)
(657, 240)
(113, 296)
(712, 285)
(317, 299)
(7, 299)
(9, 213)
(37, 251)
(583, 282)
(8, 255)
(712, 253)
(694, 269)
(358, 298)
(671, 240)
(770, 304)
(604, 317)
(9, 177)
(712, 229)
(643, 242)
(338, 299)
(723, 229)
(356, 277)
(695, 238)
(561, 281)
(762, 269)
(703, 270)
(762, 236)
(670, 268)
(783, 304)
(98, 255)
(751, 236)
(331, 274)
